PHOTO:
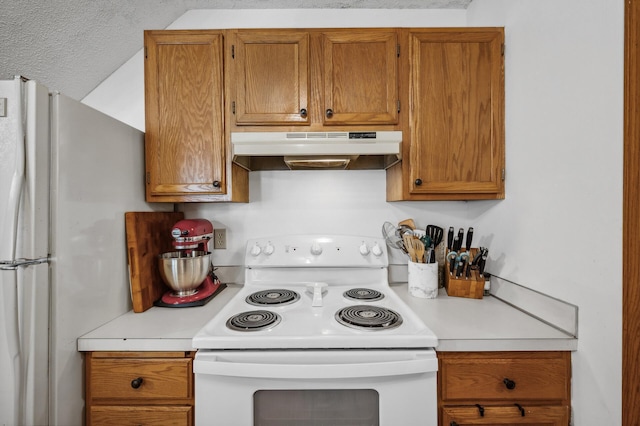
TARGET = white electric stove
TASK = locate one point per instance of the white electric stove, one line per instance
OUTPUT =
(316, 321)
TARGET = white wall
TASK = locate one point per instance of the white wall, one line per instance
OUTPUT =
(559, 229)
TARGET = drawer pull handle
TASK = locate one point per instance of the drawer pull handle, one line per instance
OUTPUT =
(480, 409)
(136, 383)
(520, 408)
(453, 423)
(510, 384)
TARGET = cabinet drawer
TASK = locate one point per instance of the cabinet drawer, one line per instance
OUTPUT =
(507, 416)
(507, 376)
(147, 378)
(141, 415)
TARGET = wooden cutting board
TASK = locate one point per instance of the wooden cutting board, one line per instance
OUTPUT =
(148, 235)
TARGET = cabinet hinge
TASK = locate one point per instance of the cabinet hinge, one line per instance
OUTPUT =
(397, 50)
(233, 107)
(398, 106)
(503, 174)
(233, 51)
(502, 49)
(148, 177)
(145, 52)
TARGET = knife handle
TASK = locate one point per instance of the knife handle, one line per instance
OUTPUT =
(460, 267)
(481, 265)
(460, 238)
(469, 239)
(450, 238)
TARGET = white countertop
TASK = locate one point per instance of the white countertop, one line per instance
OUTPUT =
(461, 324)
(486, 324)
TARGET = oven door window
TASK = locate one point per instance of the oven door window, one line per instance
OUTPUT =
(321, 407)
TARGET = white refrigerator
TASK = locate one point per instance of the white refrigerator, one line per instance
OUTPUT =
(68, 173)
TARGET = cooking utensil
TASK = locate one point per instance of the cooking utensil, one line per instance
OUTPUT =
(408, 222)
(418, 248)
(450, 239)
(436, 234)
(391, 236)
(408, 244)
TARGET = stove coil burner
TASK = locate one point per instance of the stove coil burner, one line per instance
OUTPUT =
(253, 321)
(363, 294)
(365, 317)
(272, 297)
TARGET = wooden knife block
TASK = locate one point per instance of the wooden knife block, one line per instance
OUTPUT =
(472, 287)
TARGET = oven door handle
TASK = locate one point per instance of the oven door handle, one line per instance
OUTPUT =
(216, 366)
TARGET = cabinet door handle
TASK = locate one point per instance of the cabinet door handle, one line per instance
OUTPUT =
(510, 384)
(303, 113)
(418, 182)
(328, 113)
(453, 423)
(136, 383)
(216, 184)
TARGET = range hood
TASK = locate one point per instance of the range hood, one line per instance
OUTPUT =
(316, 150)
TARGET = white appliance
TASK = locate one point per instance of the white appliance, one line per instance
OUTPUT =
(67, 175)
(316, 337)
(357, 149)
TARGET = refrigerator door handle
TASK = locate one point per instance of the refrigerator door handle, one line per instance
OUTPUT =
(15, 190)
(11, 265)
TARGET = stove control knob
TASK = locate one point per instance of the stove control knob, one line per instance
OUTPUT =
(364, 249)
(269, 249)
(377, 250)
(255, 250)
(316, 249)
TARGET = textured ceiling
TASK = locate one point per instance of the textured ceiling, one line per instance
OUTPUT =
(73, 45)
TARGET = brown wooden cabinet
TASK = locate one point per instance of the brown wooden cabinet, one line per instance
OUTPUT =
(454, 146)
(139, 388)
(314, 78)
(201, 85)
(185, 143)
(504, 388)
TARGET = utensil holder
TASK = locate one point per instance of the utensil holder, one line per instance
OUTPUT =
(423, 279)
(472, 287)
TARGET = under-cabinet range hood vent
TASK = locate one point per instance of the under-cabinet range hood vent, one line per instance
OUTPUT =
(316, 150)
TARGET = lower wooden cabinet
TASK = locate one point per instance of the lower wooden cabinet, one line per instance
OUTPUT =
(139, 388)
(504, 388)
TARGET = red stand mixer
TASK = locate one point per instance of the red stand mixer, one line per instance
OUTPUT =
(188, 270)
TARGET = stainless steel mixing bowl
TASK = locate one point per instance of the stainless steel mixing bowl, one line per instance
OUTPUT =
(184, 272)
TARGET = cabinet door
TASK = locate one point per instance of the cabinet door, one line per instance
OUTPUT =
(506, 415)
(184, 140)
(272, 77)
(457, 109)
(360, 77)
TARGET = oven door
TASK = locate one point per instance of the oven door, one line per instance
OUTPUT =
(316, 387)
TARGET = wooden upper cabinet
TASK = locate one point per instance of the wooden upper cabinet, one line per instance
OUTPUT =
(456, 145)
(272, 77)
(184, 140)
(315, 77)
(360, 77)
